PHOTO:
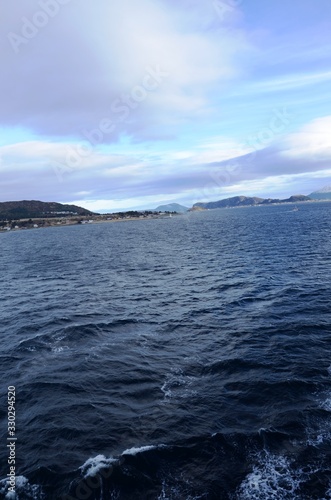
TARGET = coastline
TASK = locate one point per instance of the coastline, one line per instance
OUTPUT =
(80, 222)
(44, 223)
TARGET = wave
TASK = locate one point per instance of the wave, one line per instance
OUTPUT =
(95, 465)
(269, 464)
(53, 339)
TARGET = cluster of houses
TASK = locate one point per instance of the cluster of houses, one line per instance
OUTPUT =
(10, 225)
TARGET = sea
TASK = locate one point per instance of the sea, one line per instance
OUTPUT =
(181, 358)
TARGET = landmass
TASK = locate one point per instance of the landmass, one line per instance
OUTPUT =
(16, 215)
(244, 201)
(171, 207)
(36, 209)
(322, 194)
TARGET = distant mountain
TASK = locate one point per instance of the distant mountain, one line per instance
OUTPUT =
(171, 207)
(242, 201)
(322, 194)
(37, 209)
(236, 201)
(297, 198)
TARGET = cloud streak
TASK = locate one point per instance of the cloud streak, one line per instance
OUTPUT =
(191, 178)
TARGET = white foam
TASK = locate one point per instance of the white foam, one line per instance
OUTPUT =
(272, 478)
(93, 465)
(316, 440)
(319, 431)
(21, 482)
(326, 405)
(177, 386)
(168, 492)
(135, 451)
(57, 350)
(328, 492)
(174, 491)
(60, 337)
(22, 486)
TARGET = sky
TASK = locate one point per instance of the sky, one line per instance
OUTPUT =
(128, 105)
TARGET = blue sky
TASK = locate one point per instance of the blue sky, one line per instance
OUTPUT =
(116, 105)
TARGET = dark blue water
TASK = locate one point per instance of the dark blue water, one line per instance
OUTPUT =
(184, 358)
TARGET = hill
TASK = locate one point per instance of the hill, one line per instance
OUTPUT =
(298, 198)
(242, 201)
(322, 194)
(236, 201)
(38, 209)
(171, 207)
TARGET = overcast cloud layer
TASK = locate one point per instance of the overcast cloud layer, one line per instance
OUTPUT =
(114, 105)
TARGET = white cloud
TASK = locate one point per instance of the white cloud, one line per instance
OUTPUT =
(70, 156)
(219, 149)
(312, 142)
(277, 186)
(93, 54)
(285, 83)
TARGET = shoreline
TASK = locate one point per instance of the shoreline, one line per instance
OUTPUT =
(61, 223)
(101, 219)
